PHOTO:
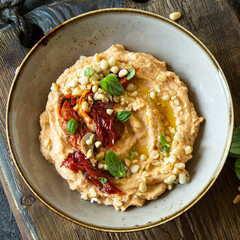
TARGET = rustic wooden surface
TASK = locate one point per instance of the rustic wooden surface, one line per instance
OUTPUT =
(216, 24)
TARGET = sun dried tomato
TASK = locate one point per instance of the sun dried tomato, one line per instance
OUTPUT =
(66, 113)
(103, 123)
(76, 161)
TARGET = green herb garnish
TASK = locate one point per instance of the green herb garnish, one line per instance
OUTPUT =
(71, 126)
(103, 180)
(111, 85)
(123, 116)
(131, 73)
(132, 153)
(235, 146)
(237, 167)
(114, 164)
(165, 146)
(88, 72)
(235, 150)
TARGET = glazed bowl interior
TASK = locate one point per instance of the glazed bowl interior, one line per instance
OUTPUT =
(139, 32)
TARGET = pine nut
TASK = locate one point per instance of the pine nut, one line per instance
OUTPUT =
(134, 168)
(109, 201)
(143, 157)
(77, 92)
(109, 111)
(85, 106)
(73, 83)
(142, 187)
(161, 78)
(104, 64)
(172, 159)
(112, 61)
(180, 165)
(236, 199)
(89, 142)
(98, 144)
(66, 90)
(175, 16)
(128, 108)
(96, 57)
(105, 72)
(188, 149)
(100, 90)
(168, 139)
(118, 203)
(94, 88)
(130, 86)
(84, 81)
(114, 69)
(175, 171)
(89, 153)
(134, 94)
(170, 179)
(96, 69)
(178, 137)
(54, 87)
(182, 178)
(100, 96)
(170, 187)
(127, 162)
(100, 156)
(153, 95)
(116, 99)
(155, 155)
(95, 83)
(122, 73)
(92, 192)
(176, 101)
(105, 99)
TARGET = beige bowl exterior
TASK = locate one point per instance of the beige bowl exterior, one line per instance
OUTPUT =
(138, 31)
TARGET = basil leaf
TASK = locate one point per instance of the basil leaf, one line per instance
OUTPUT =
(103, 180)
(131, 73)
(132, 153)
(114, 164)
(237, 168)
(111, 85)
(165, 146)
(235, 146)
(165, 149)
(72, 126)
(123, 116)
(88, 72)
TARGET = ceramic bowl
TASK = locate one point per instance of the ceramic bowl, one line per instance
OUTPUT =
(138, 31)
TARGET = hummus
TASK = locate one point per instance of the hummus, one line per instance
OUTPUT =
(149, 125)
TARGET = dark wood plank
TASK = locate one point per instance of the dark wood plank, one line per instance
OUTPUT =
(215, 23)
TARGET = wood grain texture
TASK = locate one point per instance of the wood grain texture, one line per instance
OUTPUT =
(215, 217)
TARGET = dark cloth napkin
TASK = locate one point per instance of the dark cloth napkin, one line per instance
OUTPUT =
(35, 18)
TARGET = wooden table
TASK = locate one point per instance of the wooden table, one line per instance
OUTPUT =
(216, 24)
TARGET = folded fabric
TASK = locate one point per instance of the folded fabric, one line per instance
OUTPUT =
(36, 18)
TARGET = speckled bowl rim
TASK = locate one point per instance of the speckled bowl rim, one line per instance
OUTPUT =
(230, 127)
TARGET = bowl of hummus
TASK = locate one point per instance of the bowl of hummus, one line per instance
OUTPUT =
(121, 130)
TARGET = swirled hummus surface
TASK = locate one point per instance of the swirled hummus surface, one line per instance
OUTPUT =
(128, 144)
